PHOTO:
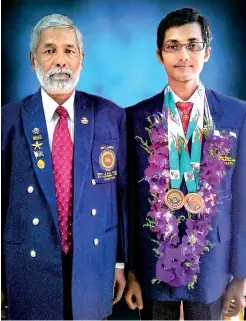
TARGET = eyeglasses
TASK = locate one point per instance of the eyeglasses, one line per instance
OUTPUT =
(190, 46)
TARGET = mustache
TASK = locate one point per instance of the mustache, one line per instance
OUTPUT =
(58, 71)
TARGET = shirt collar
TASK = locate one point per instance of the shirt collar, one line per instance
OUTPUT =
(191, 99)
(50, 106)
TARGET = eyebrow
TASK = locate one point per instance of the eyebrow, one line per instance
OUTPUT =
(48, 44)
(70, 46)
(190, 39)
(52, 44)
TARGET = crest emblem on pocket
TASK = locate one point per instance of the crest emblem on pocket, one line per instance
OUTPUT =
(107, 160)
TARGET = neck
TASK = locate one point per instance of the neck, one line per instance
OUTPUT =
(61, 98)
(184, 90)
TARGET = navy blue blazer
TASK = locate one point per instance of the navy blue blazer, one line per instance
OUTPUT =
(35, 284)
(228, 257)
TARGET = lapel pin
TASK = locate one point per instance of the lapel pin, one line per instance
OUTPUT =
(84, 121)
(35, 131)
(37, 145)
(38, 154)
(41, 164)
(37, 137)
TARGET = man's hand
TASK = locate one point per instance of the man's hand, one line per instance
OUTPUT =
(119, 284)
(4, 309)
(133, 294)
(234, 300)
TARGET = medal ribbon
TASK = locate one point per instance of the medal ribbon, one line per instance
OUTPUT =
(181, 163)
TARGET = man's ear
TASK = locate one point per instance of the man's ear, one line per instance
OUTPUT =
(82, 60)
(159, 55)
(32, 61)
(207, 54)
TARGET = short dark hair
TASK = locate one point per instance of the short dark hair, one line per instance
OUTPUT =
(181, 17)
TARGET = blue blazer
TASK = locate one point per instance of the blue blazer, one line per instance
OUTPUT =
(228, 257)
(35, 284)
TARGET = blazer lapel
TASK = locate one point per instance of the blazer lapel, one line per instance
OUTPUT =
(83, 140)
(153, 106)
(217, 110)
(156, 105)
(35, 125)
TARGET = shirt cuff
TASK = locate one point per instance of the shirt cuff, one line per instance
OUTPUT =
(120, 265)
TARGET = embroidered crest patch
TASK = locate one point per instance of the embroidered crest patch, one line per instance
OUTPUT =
(104, 160)
(107, 160)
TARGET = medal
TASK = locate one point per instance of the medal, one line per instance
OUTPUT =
(194, 203)
(174, 199)
(41, 164)
(183, 162)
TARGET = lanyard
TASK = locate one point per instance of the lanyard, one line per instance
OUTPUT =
(181, 163)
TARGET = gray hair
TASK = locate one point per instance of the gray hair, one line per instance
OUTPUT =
(56, 21)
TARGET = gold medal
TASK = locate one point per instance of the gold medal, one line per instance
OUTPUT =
(194, 203)
(41, 164)
(174, 199)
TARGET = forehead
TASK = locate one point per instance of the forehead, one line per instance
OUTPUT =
(57, 36)
(185, 32)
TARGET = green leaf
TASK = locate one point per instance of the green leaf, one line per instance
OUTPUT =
(149, 120)
(191, 284)
(181, 218)
(209, 244)
(156, 241)
(157, 254)
(150, 222)
(154, 280)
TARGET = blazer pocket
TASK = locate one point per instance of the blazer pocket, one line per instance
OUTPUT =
(104, 160)
(111, 228)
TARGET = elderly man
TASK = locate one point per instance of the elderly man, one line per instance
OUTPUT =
(63, 164)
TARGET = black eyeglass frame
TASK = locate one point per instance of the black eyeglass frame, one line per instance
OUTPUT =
(180, 46)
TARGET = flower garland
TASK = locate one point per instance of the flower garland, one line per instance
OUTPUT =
(179, 256)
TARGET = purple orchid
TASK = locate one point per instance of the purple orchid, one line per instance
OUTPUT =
(162, 273)
(172, 258)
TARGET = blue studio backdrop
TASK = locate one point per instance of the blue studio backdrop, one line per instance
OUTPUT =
(119, 43)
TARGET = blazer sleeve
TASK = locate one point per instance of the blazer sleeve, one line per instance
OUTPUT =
(238, 244)
(121, 193)
(131, 193)
(3, 213)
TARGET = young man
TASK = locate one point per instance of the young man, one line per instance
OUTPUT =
(187, 185)
(63, 164)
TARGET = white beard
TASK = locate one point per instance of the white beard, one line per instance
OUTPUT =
(57, 80)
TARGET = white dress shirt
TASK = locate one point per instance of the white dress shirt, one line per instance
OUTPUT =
(52, 118)
(190, 100)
